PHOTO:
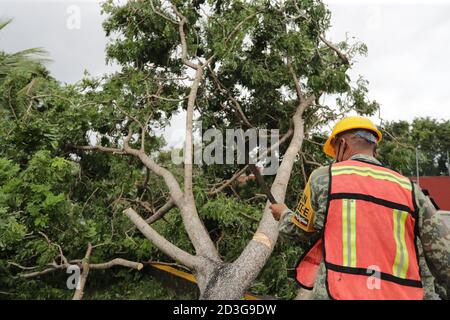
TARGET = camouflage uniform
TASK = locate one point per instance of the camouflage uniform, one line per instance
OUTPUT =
(433, 242)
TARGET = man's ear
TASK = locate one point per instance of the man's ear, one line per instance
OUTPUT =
(340, 144)
(375, 152)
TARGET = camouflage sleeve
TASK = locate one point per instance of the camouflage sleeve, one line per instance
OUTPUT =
(320, 186)
(435, 237)
(308, 217)
(289, 231)
(425, 273)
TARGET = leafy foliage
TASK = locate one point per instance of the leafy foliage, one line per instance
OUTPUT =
(56, 197)
(429, 137)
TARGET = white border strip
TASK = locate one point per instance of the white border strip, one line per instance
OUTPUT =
(333, 2)
(386, 2)
(69, 2)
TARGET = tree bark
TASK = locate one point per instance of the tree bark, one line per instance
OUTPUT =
(159, 241)
(79, 292)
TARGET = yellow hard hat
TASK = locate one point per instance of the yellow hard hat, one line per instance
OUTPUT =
(347, 124)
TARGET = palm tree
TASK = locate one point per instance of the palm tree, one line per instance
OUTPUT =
(28, 60)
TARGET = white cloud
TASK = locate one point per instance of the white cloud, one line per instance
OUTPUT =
(407, 65)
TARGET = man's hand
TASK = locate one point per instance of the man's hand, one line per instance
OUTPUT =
(277, 210)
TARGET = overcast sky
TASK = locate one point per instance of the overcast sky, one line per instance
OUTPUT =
(407, 66)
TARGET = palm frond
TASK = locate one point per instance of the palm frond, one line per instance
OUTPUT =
(28, 60)
(4, 23)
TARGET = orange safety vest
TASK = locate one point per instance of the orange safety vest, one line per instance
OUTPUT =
(369, 237)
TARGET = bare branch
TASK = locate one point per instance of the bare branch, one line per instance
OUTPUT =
(298, 88)
(240, 24)
(236, 104)
(193, 225)
(130, 116)
(143, 204)
(155, 216)
(341, 55)
(188, 150)
(43, 272)
(100, 148)
(227, 182)
(184, 49)
(117, 262)
(159, 241)
(167, 99)
(161, 14)
(98, 266)
(174, 188)
(22, 267)
(143, 133)
(161, 212)
(249, 217)
(79, 292)
(306, 103)
(87, 200)
(314, 142)
(61, 254)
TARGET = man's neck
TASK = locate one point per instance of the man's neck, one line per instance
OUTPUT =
(363, 153)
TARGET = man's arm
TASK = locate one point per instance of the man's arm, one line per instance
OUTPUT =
(290, 231)
(435, 237)
(302, 223)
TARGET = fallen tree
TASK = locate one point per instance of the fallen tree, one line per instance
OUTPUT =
(248, 65)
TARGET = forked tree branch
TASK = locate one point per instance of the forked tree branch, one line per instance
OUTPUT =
(159, 241)
(194, 227)
(93, 266)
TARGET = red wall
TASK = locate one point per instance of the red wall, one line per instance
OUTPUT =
(439, 188)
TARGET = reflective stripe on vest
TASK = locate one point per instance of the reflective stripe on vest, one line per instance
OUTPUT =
(349, 233)
(376, 174)
(401, 257)
(369, 235)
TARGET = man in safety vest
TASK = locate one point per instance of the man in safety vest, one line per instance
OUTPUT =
(370, 229)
